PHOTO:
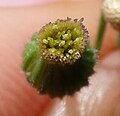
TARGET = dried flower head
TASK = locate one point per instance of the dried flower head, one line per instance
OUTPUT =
(111, 10)
(58, 59)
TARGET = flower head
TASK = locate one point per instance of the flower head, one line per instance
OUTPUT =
(111, 10)
(64, 41)
(58, 59)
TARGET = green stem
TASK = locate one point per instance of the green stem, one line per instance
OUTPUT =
(100, 34)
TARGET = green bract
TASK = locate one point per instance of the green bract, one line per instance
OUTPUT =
(58, 59)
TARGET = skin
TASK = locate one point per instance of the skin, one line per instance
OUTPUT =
(18, 98)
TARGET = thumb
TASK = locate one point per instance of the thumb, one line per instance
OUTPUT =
(100, 98)
(17, 97)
